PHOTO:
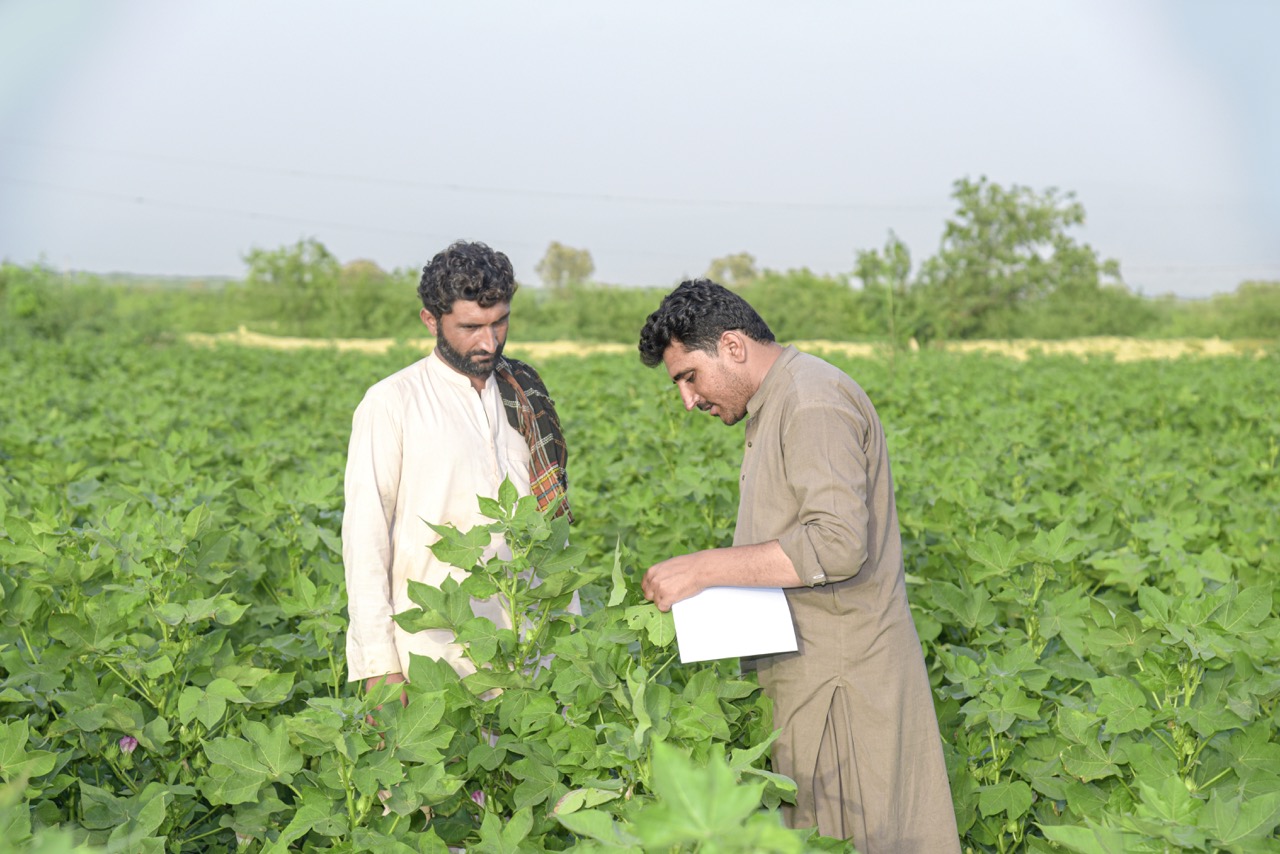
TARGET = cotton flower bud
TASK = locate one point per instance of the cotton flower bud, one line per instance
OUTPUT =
(128, 744)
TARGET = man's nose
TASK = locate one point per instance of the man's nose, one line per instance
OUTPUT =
(689, 397)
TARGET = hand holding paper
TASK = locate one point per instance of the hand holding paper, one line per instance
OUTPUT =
(731, 622)
(727, 603)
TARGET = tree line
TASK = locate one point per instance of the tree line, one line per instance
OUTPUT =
(1008, 266)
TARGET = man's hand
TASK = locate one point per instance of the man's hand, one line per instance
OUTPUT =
(390, 679)
(678, 578)
(674, 580)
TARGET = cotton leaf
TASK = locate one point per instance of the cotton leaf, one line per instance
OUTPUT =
(1011, 798)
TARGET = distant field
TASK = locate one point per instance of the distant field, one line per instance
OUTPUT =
(1122, 349)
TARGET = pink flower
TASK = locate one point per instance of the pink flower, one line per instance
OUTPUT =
(128, 744)
(478, 797)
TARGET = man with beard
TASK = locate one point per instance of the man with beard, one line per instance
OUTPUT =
(425, 442)
(816, 516)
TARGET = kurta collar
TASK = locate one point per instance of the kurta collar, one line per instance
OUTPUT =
(439, 369)
(771, 381)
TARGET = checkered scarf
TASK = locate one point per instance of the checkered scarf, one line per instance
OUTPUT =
(531, 411)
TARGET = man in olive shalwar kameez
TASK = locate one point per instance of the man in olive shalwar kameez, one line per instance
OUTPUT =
(816, 516)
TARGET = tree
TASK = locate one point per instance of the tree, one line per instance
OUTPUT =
(733, 271)
(563, 266)
(307, 266)
(1003, 251)
(886, 285)
(295, 286)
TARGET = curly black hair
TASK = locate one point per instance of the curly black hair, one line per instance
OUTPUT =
(466, 271)
(696, 314)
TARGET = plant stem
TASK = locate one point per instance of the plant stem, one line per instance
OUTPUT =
(654, 674)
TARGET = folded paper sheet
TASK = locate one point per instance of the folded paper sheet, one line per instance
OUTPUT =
(732, 622)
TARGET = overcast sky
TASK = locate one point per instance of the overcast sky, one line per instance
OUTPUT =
(171, 138)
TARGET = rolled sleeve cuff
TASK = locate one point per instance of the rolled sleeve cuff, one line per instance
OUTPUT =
(366, 660)
(796, 546)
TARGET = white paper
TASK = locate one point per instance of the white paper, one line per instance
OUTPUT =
(731, 622)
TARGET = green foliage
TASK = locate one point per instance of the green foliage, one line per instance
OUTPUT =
(891, 304)
(733, 271)
(800, 304)
(582, 313)
(171, 666)
(39, 303)
(1008, 267)
(1097, 603)
(1091, 553)
(563, 266)
(1252, 311)
(304, 290)
(1005, 249)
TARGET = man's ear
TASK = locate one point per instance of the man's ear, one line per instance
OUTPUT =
(733, 344)
(431, 322)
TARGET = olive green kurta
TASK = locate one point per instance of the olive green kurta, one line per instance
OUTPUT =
(859, 733)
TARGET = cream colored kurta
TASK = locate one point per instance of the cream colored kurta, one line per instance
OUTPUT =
(423, 445)
(859, 734)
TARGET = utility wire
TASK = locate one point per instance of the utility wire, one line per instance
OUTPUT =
(409, 183)
(145, 201)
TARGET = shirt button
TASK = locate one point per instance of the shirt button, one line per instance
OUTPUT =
(748, 444)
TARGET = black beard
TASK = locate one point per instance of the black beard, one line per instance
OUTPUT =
(462, 362)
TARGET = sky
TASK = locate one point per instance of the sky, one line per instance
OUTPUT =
(164, 138)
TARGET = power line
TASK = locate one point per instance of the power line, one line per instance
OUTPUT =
(145, 201)
(243, 214)
(520, 192)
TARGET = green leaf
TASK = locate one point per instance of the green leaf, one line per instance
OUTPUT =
(1234, 820)
(995, 554)
(618, 592)
(530, 793)
(462, 550)
(236, 754)
(79, 634)
(316, 814)
(597, 825)
(419, 735)
(489, 508)
(507, 494)
(226, 690)
(1245, 611)
(1169, 802)
(135, 834)
(225, 784)
(658, 625)
(695, 805)
(1211, 711)
(1091, 761)
(1011, 798)
(1122, 705)
(1091, 839)
(577, 799)
(99, 809)
(1061, 545)
(480, 636)
(270, 689)
(280, 758)
(1078, 725)
(970, 605)
(16, 762)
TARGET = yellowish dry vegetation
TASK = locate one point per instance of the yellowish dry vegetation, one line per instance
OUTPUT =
(1121, 349)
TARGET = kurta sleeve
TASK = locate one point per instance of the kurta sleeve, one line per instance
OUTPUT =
(826, 464)
(371, 485)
